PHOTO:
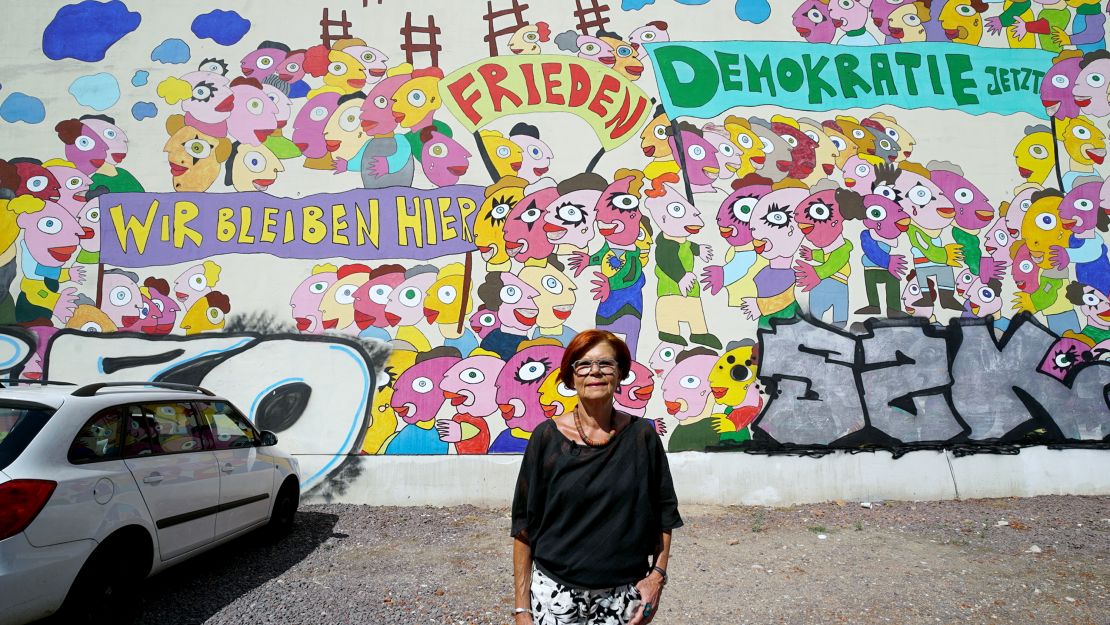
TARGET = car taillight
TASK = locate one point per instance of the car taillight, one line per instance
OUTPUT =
(20, 502)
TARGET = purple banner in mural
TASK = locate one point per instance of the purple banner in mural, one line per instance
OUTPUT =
(145, 229)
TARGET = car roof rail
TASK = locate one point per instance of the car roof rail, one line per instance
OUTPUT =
(90, 390)
(12, 383)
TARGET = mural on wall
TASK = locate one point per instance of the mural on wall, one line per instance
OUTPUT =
(800, 249)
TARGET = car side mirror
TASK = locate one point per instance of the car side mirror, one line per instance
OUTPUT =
(269, 439)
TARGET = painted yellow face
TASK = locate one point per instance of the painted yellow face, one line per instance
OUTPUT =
(555, 398)
(962, 23)
(1035, 156)
(752, 155)
(556, 294)
(653, 139)
(345, 72)
(1043, 228)
(202, 317)
(443, 302)
(732, 375)
(195, 158)
(1083, 141)
(827, 153)
(489, 225)
(506, 156)
(343, 132)
(337, 307)
(906, 24)
(415, 100)
(383, 419)
(844, 146)
(255, 168)
(643, 243)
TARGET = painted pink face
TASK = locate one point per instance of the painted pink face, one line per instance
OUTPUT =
(535, 159)
(211, 101)
(1082, 205)
(595, 49)
(114, 139)
(923, 200)
(673, 213)
(1056, 89)
(33, 369)
(1095, 307)
(51, 235)
(662, 359)
(636, 388)
(306, 299)
(417, 395)
(88, 218)
(263, 62)
(444, 160)
(483, 321)
(802, 157)
(1016, 213)
(377, 110)
(884, 216)
(525, 238)
(880, 13)
(37, 181)
(973, 209)
(965, 280)
(371, 59)
(518, 304)
(812, 21)
(122, 301)
(518, 385)
(648, 33)
(406, 302)
(776, 234)
(191, 285)
(570, 218)
(686, 388)
(848, 14)
(149, 317)
(859, 175)
(910, 294)
(254, 117)
(735, 214)
(88, 152)
(292, 69)
(1064, 355)
(618, 213)
(1027, 274)
(282, 102)
(701, 157)
(1090, 88)
(372, 297)
(983, 300)
(73, 184)
(819, 218)
(728, 155)
(166, 310)
(308, 127)
(470, 386)
(997, 241)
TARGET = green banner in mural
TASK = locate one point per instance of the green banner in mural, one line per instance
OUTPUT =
(492, 88)
(704, 79)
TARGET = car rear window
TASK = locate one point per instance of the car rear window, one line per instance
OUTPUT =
(20, 422)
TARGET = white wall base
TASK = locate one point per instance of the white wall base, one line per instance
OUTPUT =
(744, 479)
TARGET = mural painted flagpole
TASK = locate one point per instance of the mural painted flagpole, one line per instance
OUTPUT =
(1056, 152)
(468, 265)
(485, 157)
(680, 158)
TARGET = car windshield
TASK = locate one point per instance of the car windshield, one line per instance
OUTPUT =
(20, 422)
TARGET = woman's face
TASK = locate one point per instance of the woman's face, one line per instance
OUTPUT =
(596, 385)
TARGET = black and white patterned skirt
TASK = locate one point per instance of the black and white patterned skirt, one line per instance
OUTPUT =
(556, 604)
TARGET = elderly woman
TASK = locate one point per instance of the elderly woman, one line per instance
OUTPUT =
(594, 505)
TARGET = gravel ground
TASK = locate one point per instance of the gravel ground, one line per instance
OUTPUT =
(1043, 560)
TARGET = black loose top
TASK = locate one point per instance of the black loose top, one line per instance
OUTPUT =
(593, 515)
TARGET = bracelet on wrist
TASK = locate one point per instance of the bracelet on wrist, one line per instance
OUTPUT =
(662, 572)
(521, 611)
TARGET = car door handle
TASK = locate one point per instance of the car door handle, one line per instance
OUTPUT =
(228, 467)
(153, 478)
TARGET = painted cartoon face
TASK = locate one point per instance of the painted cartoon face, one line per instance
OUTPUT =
(859, 135)
(114, 138)
(489, 224)
(570, 218)
(880, 13)
(848, 14)
(32, 370)
(166, 310)
(527, 38)
(819, 218)
(859, 174)
(306, 300)
(729, 156)
(1057, 86)
(372, 297)
(37, 181)
(617, 54)
(1034, 156)
(308, 126)
(1083, 141)
(444, 299)
(775, 233)
(417, 99)
(962, 22)
(148, 317)
(417, 395)
(88, 219)
(701, 158)
(518, 385)
(812, 21)
(555, 294)
(1095, 307)
(1044, 227)
(997, 241)
(887, 149)
(263, 62)
(1016, 213)
(896, 132)
(1082, 205)
(555, 397)
(1064, 355)
(843, 145)
(662, 359)
(653, 139)
(1027, 274)
(734, 217)
(51, 234)
(470, 385)
(507, 157)
(122, 301)
(884, 216)
(825, 153)
(912, 293)
(255, 168)
(535, 157)
(636, 388)
(343, 133)
(923, 200)
(965, 280)
(973, 209)
(292, 69)
(406, 302)
(732, 375)
(337, 306)
(191, 285)
(377, 109)
(443, 159)
(72, 185)
(254, 116)
(372, 60)
(775, 149)
(344, 73)
(281, 101)
(618, 213)
(686, 388)
(653, 32)
(802, 158)
(675, 215)
(88, 152)
(525, 238)
(906, 23)
(194, 158)
(1090, 88)
(484, 321)
(983, 300)
(518, 304)
(210, 100)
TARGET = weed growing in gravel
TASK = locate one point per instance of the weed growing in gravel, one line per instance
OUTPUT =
(817, 529)
(859, 526)
(759, 523)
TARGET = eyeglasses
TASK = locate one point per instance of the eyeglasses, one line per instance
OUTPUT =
(584, 367)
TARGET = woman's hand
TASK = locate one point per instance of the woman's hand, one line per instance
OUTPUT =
(651, 588)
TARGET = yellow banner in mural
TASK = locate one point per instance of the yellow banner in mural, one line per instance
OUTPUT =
(492, 88)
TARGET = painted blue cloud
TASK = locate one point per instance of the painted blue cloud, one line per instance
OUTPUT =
(98, 91)
(173, 51)
(754, 11)
(20, 107)
(224, 27)
(143, 110)
(140, 78)
(635, 5)
(84, 31)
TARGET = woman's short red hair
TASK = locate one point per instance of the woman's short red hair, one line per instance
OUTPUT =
(584, 342)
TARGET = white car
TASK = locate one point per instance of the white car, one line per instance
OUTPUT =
(105, 484)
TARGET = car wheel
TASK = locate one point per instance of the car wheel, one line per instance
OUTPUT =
(285, 511)
(105, 590)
